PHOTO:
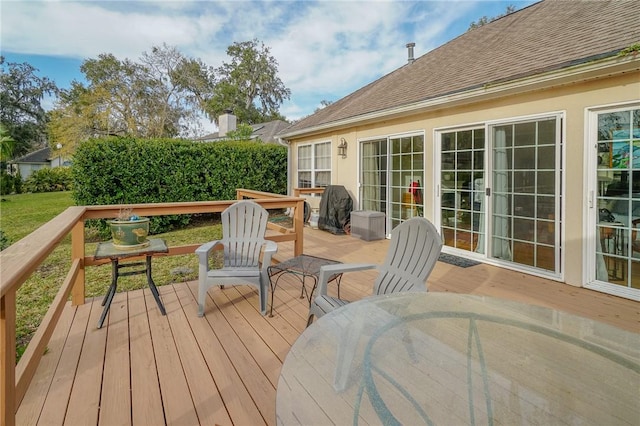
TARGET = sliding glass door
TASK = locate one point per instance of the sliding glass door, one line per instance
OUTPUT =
(500, 191)
(373, 175)
(462, 188)
(392, 177)
(525, 193)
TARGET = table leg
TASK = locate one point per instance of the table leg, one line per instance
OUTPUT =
(114, 281)
(108, 298)
(154, 289)
(304, 289)
(273, 286)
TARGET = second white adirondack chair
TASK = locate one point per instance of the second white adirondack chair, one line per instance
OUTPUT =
(244, 225)
(413, 251)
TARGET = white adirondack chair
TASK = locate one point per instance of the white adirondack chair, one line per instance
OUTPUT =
(413, 251)
(244, 225)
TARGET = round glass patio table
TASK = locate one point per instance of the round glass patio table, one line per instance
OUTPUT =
(439, 358)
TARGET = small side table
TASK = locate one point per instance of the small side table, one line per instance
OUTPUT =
(302, 266)
(107, 250)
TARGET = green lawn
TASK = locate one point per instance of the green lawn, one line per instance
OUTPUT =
(22, 214)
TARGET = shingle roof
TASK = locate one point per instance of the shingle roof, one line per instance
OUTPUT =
(39, 156)
(546, 36)
(266, 132)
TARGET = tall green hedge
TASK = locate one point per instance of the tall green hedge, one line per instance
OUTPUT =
(129, 170)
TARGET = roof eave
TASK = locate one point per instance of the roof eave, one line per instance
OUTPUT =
(574, 74)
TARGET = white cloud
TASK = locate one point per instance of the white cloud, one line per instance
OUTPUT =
(325, 49)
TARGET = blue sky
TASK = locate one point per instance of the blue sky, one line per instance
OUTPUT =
(325, 49)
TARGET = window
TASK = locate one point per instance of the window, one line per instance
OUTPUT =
(314, 165)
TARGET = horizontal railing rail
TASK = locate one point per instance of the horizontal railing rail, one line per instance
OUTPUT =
(21, 259)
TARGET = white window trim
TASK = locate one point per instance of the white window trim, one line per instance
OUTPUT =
(313, 169)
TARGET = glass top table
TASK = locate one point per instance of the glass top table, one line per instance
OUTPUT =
(439, 358)
(301, 266)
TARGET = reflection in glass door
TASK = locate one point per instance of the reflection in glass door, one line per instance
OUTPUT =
(406, 179)
(462, 189)
(618, 199)
(525, 193)
(392, 177)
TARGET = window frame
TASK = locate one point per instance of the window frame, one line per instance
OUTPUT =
(313, 160)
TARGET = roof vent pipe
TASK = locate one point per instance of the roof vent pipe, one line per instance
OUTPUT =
(410, 47)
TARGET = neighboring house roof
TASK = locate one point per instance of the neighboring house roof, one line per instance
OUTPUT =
(546, 36)
(40, 156)
(266, 132)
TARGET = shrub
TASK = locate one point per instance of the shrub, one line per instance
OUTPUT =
(129, 171)
(10, 184)
(49, 180)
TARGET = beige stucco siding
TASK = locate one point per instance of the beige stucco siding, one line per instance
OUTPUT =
(571, 101)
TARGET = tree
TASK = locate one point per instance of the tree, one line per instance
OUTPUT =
(248, 85)
(7, 144)
(22, 115)
(485, 19)
(151, 98)
(186, 83)
(242, 133)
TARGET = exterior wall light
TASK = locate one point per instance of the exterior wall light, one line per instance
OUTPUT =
(342, 148)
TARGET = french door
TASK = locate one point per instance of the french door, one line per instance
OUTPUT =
(500, 192)
(614, 254)
(392, 177)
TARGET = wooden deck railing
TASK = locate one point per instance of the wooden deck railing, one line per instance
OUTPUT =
(21, 259)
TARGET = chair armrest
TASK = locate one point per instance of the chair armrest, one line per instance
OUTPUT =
(340, 268)
(206, 248)
(203, 255)
(270, 248)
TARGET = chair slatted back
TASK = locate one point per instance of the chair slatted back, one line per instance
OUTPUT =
(244, 225)
(413, 251)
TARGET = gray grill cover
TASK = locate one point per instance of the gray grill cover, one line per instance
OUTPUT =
(335, 209)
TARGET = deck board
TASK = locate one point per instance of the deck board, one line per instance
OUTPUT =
(176, 399)
(116, 380)
(84, 402)
(227, 381)
(36, 394)
(208, 404)
(146, 401)
(227, 324)
(143, 368)
(55, 405)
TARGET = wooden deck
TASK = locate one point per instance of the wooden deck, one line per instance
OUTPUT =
(143, 368)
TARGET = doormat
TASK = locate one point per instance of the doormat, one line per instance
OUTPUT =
(457, 260)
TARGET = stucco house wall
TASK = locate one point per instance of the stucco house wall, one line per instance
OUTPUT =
(549, 96)
(572, 101)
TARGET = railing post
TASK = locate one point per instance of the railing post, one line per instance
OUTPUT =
(8, 359)
(298, 226)
(77, 252)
